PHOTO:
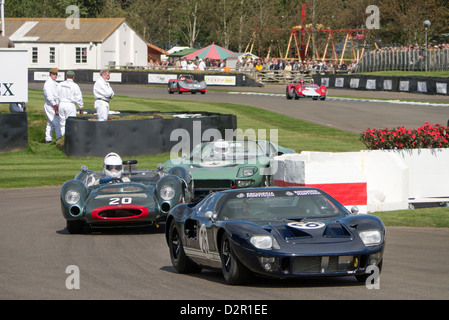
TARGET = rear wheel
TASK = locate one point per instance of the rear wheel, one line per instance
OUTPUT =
(234, 271)
(179, 259)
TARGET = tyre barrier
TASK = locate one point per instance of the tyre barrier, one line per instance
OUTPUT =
(84, 138)
(13, 132)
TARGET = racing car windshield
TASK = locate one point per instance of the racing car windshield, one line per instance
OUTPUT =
(227, 151)
(286, 204)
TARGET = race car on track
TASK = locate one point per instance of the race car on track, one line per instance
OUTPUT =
(303, 90)
(137, 198)
(222, 164)
(278, 232)
(186, 83)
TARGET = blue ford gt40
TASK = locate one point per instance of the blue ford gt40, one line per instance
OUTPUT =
(275, 232)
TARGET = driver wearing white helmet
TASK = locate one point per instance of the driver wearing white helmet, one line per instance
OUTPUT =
(112, 171)
(113, 166)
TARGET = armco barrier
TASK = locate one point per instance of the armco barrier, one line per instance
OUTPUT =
(379, 180)
(423, 85)
(86, 138)
(13, 132)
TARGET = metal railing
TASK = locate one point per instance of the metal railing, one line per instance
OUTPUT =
(407, 60)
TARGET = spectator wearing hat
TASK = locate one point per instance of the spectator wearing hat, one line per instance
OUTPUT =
(103, 93)
(51, 107)
(5, 42)
(70, 96)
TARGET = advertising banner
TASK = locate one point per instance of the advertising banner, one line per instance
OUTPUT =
(13, 75)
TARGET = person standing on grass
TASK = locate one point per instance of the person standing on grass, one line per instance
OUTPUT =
(51, 107)
(70, 96)
(103, 93)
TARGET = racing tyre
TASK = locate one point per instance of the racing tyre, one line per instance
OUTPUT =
(169, 91)
(265, 181)
(234, 271)
(296, 95)
(290, 93)
(364, 277)
(323, 98)
(75, 227)
(180, 261)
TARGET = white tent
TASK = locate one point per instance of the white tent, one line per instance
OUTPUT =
(231, 61)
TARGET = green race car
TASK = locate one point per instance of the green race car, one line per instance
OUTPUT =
(138, 198)
(221, 165)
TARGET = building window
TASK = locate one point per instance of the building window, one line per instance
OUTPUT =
(34, 55)
(52, 55)
(81, 55)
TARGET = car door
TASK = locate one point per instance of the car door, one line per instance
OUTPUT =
(200, 234)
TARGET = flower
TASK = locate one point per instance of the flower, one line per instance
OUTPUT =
(426, 136)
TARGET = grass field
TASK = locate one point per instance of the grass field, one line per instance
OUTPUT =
(44, 164)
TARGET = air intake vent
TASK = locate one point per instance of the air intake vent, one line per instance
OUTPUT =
(336, 230)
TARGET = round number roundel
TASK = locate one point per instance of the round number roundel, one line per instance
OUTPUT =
(306, 225)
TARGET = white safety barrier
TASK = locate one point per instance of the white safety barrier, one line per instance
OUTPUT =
(378, 180)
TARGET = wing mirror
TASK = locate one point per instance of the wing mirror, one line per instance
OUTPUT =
(209, 215)
(354, 210)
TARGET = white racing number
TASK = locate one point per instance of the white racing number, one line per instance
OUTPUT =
(306, 225)
(117, 201)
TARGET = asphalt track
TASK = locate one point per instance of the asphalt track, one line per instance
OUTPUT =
(36, 250)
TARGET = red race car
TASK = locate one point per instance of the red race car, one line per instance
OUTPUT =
(302, 90)
(186, 83)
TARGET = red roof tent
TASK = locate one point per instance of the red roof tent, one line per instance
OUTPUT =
(212, 52)
(155, 52)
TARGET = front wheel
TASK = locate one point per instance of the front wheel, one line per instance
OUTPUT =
(75, 226)
(178, 257)
(265, 181)
(364, 277)
(290, 92)
(234, 271)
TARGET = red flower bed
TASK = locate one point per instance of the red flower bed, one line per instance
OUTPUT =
(427, 136)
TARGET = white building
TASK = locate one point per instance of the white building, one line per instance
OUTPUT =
(82, 44)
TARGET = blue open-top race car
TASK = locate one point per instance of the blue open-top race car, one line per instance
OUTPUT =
(276, 232)
(137, 198)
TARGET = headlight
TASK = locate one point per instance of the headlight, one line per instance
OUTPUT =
(72, 197)
(244, 183)
(246, 172)
(167, 193)
(264, 242)
(371, 237)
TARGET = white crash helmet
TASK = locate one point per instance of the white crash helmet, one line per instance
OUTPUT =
(112, 165)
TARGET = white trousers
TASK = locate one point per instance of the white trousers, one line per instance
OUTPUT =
(66, 109)
(53, 124)
(102, 110)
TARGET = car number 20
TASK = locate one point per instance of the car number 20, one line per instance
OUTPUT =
(116, 201)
